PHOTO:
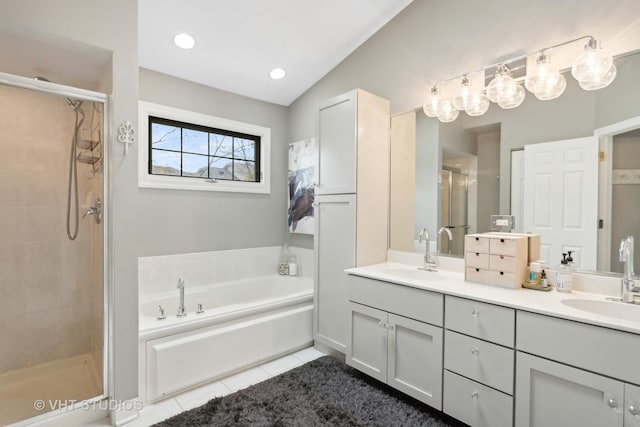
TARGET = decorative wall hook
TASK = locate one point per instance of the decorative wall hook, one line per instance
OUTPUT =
(126, 135)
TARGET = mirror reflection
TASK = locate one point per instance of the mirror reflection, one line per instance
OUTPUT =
(535, 162)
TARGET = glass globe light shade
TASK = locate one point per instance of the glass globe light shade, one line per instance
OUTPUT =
(477, 105)
(593, 65)
(447, 112)
(514, 99)
(502, 87)
(552, 87)
(430, 107)
(461, 100)
(604, 81)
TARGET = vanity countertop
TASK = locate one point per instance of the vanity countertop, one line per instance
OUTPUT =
(453, 283)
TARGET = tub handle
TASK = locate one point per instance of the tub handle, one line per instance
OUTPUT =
(162, 316)
(199, 310)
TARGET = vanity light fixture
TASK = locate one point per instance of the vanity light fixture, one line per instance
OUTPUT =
(430, 107)
(184, 41)
(545, 81)
(593, 69)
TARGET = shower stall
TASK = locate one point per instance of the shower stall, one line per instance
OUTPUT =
(52, 248)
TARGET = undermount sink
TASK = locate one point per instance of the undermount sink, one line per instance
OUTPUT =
(417, 273)
(619, 310)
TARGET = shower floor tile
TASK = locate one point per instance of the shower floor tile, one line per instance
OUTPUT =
(33, 391)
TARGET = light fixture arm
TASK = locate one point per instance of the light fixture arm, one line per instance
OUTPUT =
(506, 62)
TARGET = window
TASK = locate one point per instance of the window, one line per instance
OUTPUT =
(192, 151)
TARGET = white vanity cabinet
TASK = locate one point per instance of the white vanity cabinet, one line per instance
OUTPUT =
(574, 374)
(404, 352)
(478, 362)
(351, 203)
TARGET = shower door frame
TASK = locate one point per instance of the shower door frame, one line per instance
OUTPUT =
(107, 287)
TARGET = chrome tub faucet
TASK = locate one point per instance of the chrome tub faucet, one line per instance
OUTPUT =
(629, 289)
(181, 310)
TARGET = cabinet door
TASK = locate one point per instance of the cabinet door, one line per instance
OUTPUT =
(367, 348)
(551, 394)
(334, 252)
(415, 359)
(336, 136)
(631, 406)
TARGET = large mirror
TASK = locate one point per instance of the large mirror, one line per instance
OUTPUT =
(456, 175)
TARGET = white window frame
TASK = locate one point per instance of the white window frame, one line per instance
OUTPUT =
(147, 180)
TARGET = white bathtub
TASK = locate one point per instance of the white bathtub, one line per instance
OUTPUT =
(244, 323)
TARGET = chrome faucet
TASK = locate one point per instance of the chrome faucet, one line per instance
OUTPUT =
(181, 310)
(430, 261)
(448, 231)
(629, 289)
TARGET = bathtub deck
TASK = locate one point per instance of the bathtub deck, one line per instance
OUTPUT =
(193, 398)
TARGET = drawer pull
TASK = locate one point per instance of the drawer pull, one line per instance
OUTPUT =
(501, 240)
(475, 351)
(633, 410)
(477, 254)
(502, 273)
(501, 256)
(477, 239)
(475, 312)
(474, 394)
(612, 402)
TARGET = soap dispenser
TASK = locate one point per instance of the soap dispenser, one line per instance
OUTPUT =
(564, 280)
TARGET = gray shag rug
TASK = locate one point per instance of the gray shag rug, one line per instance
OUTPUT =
(324, 392)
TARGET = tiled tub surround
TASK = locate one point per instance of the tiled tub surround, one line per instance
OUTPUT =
(251, 315)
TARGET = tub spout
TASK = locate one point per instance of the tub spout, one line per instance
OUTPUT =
(181, 310)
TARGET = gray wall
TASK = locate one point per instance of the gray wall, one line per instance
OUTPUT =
(488, 182)
(178, 221)
(431, 41)
(110, 25)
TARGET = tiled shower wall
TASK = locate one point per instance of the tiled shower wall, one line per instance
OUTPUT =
(51, 298)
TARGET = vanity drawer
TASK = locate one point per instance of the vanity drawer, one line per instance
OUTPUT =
(477, 275)
(481, 320)
(504, 279)
(475, 404)
(508, 245)
(477, 259)
(502, 263)
(474, 243)
(593, 348)
(479, 360)
(418, 304)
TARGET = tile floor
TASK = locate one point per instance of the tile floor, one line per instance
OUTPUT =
(193, 398)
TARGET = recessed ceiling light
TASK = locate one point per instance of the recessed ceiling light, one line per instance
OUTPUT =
(184, 41)
(277, 73)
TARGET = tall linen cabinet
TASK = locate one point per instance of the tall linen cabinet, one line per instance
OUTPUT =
(352, 203)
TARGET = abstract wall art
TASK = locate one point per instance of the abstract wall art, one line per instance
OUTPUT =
(302, 180)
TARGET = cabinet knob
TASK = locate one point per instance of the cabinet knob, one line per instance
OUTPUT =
(634, 410)
(474, 394)
(475, 351)
(475, 312)
(392, 329)
(382, 324)
(612, 402)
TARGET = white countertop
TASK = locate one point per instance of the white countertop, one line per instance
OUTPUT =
(549, 303)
